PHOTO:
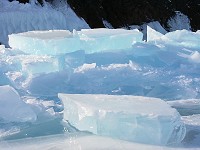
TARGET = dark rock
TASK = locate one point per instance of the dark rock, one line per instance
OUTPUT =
(122, 13)
(23, 1)
(27, 1)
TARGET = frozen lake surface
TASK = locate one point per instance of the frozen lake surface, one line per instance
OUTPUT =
(166, 68)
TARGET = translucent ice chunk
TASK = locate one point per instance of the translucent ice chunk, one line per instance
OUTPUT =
(95, 40)
(12, 108)
(132, 118)
(186, 107)
(57, 42)
(51, 42)
(153, 34)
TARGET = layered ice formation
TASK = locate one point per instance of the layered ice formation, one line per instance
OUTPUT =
(132, 118)
(12, 108)
(58, 42)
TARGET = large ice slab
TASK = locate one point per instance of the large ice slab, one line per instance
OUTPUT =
(55, 42)
(12, 108)
(132, 118)
(95, 40)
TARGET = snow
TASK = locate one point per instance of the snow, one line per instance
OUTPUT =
(12, 108)
(17, 18)
(179, 22)
(60, 42)
(73, 22)
(183, 38)
(79, 141)
(139, 119)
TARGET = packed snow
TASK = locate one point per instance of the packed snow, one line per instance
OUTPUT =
(124, 117)
(79, 141)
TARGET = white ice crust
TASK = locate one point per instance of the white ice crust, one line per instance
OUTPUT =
(78, 141)
(132, 118)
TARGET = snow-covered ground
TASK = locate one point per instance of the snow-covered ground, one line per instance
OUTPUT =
(165, 67)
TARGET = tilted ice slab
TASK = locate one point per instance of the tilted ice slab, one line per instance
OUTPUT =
(153, 34)
(12, 108)
(57, 42)
(186, 107)
(132, 118)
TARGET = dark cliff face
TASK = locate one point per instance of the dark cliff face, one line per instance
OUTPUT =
(123, 13)
(27, 1)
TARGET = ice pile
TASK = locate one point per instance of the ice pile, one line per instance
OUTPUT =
(183, 38)
(12, 108)
(132, 118)
(62, 41)
(45, 63)
(33, 72)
